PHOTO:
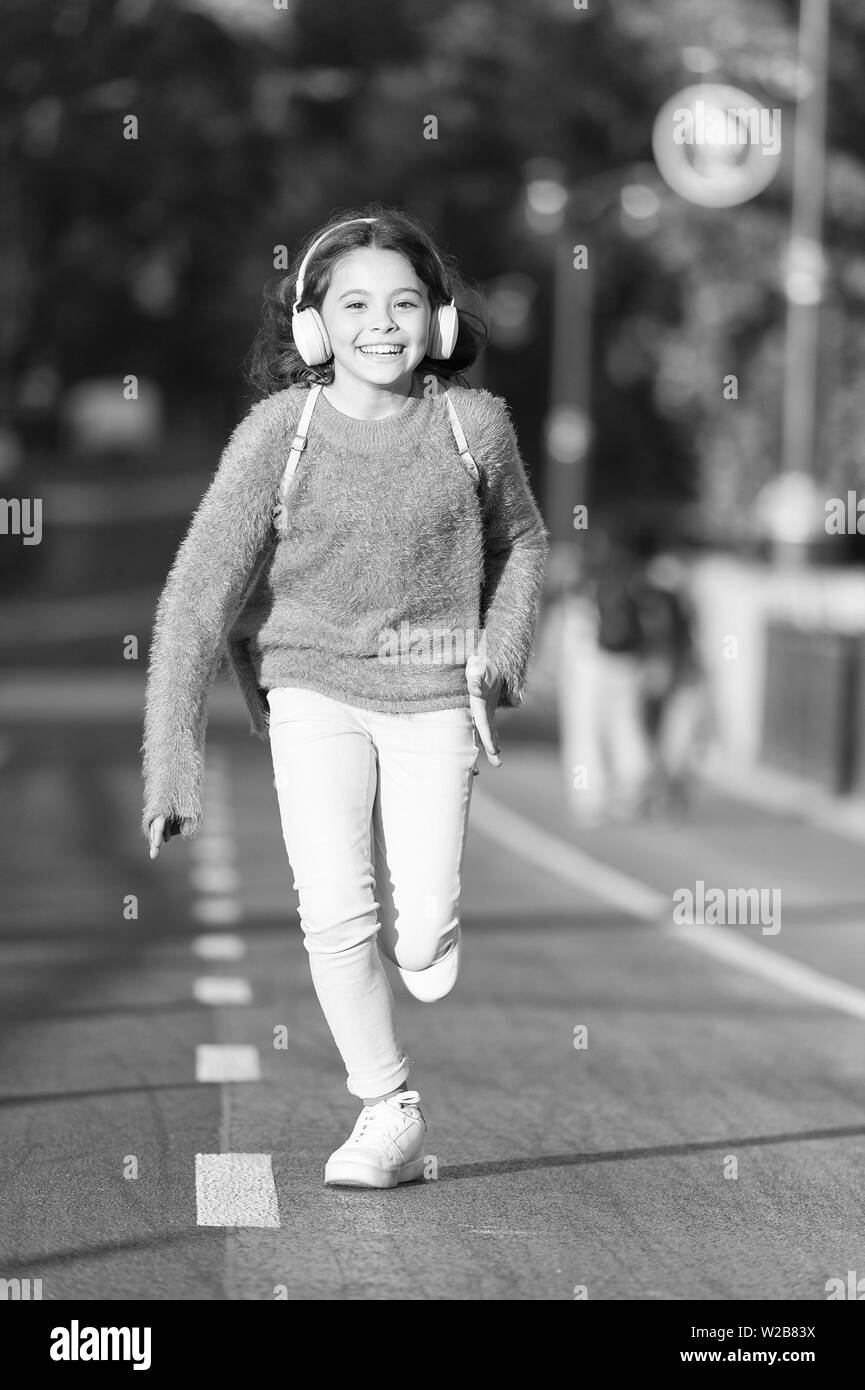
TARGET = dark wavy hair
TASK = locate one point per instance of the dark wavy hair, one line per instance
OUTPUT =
(273, 361)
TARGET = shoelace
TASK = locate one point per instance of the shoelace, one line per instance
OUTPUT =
(378, 1113)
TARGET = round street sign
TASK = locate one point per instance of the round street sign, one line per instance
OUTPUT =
(715, 145)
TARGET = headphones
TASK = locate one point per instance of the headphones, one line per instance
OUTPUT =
(310, 335)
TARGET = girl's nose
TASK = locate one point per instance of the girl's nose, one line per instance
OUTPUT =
(382, 318)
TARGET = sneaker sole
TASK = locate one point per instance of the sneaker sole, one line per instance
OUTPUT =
(357, 1175)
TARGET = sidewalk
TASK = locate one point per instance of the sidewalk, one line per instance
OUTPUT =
(784, 793)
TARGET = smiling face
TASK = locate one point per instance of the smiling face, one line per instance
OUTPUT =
(377, 313)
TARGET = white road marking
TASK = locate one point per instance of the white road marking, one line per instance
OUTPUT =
(778, 969)
(220, 989)
(519, 835)
(235, 1190)
(484, 1231)
(213, 873)
(213, 878)
(216, 912)
(219, 946)
(227, 1062)
(210, 848)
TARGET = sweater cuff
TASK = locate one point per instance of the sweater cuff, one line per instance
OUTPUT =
(510, 663)
(178, 793)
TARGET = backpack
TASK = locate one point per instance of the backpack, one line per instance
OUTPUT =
(619, 625)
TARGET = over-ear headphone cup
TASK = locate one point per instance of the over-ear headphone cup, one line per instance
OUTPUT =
(310, 337)
(444, 327)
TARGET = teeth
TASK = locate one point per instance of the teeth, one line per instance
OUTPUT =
(381, 352)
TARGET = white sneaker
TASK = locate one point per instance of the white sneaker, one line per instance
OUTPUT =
(385, 1147)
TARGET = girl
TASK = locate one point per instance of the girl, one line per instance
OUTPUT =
(370, 558)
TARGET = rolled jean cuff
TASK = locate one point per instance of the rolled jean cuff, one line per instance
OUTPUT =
(380, 1082)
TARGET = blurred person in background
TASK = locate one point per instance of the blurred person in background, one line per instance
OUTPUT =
(674, 691)
(623, 750)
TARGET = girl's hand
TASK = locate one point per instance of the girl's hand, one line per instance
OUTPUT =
(484, 683)
(161, 832)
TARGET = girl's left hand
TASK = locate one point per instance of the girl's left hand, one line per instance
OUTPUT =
(484, 683)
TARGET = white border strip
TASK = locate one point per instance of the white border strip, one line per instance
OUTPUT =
(517, 834)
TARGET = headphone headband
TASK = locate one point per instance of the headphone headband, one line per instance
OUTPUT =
(298, 288)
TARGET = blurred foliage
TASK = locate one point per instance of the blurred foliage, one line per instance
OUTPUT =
(254, 122)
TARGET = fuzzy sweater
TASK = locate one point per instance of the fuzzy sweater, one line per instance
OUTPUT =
(387, 570)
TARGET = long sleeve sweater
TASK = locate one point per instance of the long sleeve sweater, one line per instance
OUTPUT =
(387, 570)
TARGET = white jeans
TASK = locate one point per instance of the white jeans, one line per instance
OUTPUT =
(374, 810)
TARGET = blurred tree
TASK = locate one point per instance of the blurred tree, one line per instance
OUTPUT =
(148, 255)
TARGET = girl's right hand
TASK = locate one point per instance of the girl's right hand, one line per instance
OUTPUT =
(161, 832)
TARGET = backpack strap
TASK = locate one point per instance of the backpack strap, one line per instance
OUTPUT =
(298, 444)
(461, 442)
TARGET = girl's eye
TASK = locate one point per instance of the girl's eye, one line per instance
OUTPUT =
(407, 303)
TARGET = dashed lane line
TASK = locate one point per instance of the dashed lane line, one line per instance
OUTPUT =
(218, 990)
(212, 878)
(235, 1189)
(227, 1062)
(216, 912)
(219, 946)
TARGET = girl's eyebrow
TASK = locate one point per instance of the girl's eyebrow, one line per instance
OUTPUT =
(410, 288)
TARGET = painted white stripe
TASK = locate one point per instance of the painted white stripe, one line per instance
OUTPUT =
(213, 878)
(216, 912)
(227, 1062)
(778, 969)
(210, 848)
(220, 989)
(235, 1190)
(517, 834)
(221, 946)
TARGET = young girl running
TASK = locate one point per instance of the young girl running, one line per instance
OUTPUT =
(369, 557)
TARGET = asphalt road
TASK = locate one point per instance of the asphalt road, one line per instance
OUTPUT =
(707, 1143)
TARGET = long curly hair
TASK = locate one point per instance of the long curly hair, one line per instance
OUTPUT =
(273, 361)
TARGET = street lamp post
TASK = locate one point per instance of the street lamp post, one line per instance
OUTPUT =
(567, 433)
(803, 281)
(790, 505)
(570, 213)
